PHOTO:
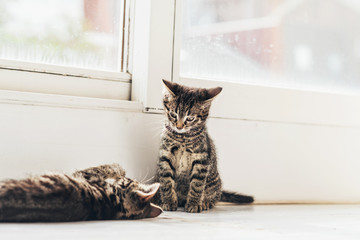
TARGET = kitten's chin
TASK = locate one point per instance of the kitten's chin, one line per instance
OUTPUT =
(179, 130)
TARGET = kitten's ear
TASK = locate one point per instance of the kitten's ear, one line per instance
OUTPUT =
(170, 87)
(212, 93)
(147, 196)
(154, 212)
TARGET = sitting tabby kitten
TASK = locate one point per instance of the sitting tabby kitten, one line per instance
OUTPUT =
(97, 193)
(187, 171)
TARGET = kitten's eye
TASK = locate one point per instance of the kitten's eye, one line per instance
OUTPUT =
(173, 115)
(190, 119)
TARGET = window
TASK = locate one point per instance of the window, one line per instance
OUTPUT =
(302, 44)
(82, 34)
(268, 71)
(291, 61)
(85, 39)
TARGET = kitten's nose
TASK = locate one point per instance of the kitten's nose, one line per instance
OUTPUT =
(180, 125)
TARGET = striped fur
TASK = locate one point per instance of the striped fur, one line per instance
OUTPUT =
(187, 167)
(97, 193)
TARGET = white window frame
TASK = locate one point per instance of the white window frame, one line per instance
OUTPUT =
(152, 58)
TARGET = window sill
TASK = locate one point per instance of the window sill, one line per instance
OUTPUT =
(282, 105)
(63, 101)
(52, 83)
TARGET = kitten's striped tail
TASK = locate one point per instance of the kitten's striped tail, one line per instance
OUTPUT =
(233, 197)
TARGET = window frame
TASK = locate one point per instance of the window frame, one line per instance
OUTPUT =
(152, 52)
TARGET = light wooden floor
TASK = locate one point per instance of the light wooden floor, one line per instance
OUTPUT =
(224, 222)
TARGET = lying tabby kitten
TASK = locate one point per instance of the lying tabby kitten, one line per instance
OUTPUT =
(187, 171)
(97, 193)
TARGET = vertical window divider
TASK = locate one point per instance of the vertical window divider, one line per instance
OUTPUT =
(152, 51)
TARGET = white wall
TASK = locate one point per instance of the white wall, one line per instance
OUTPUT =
(35, 139)
(276, 162)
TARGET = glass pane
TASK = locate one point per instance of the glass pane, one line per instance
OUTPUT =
(76, 33)
(294, 43)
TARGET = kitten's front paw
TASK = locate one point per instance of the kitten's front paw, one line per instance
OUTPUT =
(169, 202)
(169, 206)
(193, 208)
(196, 208)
